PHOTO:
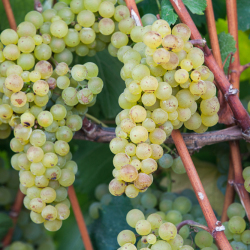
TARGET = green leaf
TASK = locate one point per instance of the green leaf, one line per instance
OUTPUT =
(95, 163)
(20, 9)
(109, 72)
(227, 45)
(243, 9)
(111, 222)
(167, 12)
(196, 6)
(6, 223)
(148, 6)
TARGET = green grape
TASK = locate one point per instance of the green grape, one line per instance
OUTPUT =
(203, 239)
(174, 217)
(186, 247)
(148, 19)
(131, 191)
(126, 236)
(126, 25)
(117, 187)
(119, 39)
(64, 56)
(133, 216)
(94, 210)
(67, 15)
(53, 225)
(176, 243)
(128, 246)
(161, 245)
(92, 70)
(49, 213)
(155, 221)
(210, 106)
(148, 200)
(9, 36)
(245, 237)
(209, 120)
(246, 173)
(227, 232)
(106, 26)
(121, 12)
(178, 166)
(36, 218)
(236, 209)
(143, 227)
(67, 178)
(184, 232)
(16, 146)
(182, 204)
(37, 138)
(167, 231)
(37, 205)
(53, 173)
(236, 225)
(27, 179)
(59, 29)
(166, 205)
(33, 192)
(86, 18)
(61, 194)
(43, 52)
(63, 211)
(35, 154)
(238, 245)
(87, 35)
(57, 45)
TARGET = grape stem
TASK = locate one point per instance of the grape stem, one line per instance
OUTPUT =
(93, 132)
(240, 114)
(38, 6)
(79, 218)
(15, 210)
(159, 5)
(191, 223)
(96, 120)
(9, 14)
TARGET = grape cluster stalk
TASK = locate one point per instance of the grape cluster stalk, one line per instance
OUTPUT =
(167, 86)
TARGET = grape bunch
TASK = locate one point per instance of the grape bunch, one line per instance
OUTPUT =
(165, 81)
(44, 101)
(246, 176)
(28, 236)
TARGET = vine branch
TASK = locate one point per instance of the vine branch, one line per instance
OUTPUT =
(191, 223)
(244, 67)
(79, 218)
(9, 14)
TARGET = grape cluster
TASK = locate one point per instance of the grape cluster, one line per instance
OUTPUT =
(29, 236)
(246, 176)
(165, 81)
(45, 105)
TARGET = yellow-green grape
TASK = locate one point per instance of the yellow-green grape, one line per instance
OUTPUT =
(37, 205)
(203, 239)
(131, 191)
(155, 220)
(131, 97)
(164, 30)
(134, 87)
(119, 39)
(5, 111)
(204, 71)
(152, 39)
(136, 34)
(37, 169)
(185, 98)
(182, 30)
(9, 36)
(117, 187)
(161, 56)
(63, 211)
(149, 51)
(117, 145)
(120, 159)
(196, 55)
(158, 136)
(126, 25)
(35, 76)
(143, 151)
(26, 44)
(14, 69)
(127, 124)
(198, 88)
(183, 114)
(173, 115)
(123, 103)
(151, 238)
(86, 18)
(143, 181)
(194, 122)
(137, 114)
(209, 120)
(14, 83)
(169, 105)
(143, 227)
(172, 63)
(41, 181)
(50, 160)
(195, 76)
(136, 163)
(45, 119)
(150, 61)
(210, 90)
(36, 218)
(38, 39)
(35, 154)
(149, 84)
(161, 244)
(163, 91)
(187, 46)
(181, 76)
(16, 145)
(177, 242)
(186, 64)
(53, 226)
(170, 42)
(130, 149)
(121, 12)
(201, 129)
(49, 213)
(140, 71)
(131, 54)
(149, 124)
(27, 119)
(210, 106)
(37, 138)
(159, 116)
(48, 194)
(167, 231)
(27, 179)
(128, 173)
(11, 52)
(18, 99)
(23, 162)
(126, 236)
(179, 47)
(133, 216)
(138, 134)
(106, 26)
(149, 166)
(67, 178)
(148, 99)
(157, 151)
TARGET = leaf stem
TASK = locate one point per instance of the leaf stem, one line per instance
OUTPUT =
(159, 5)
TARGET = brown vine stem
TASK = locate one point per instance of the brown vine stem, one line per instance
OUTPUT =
(199, 42)
(9, 14)
(134, 11)
(93, 132)
(244, 67)
(193, 176)
(235, 79)
(191, 223)
(229, 196)
(225, 113)
(240, 114)
(238, 178)
(15, 210)
(79, 218)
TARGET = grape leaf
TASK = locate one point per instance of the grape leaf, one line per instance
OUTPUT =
(167, 12)
(109, 72)
(243, 9)
(147, 6)
(196, 6)
(111, 222)
(20, 9)
(227, 45)
(95, 165)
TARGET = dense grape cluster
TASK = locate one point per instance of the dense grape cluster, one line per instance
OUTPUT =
(29, 236)
(44, 101)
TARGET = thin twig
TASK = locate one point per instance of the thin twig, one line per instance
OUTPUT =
(244, 67)
(230, 54)
(15, 210)
(9, 14)
(79, 218)
(191, 223)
